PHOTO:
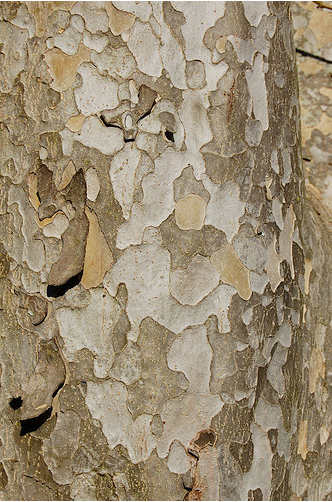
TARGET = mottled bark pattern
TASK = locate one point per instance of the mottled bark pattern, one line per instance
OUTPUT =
(153, 272)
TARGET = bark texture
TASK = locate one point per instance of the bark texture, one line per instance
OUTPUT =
(156, 257)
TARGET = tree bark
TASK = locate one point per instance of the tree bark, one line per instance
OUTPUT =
(156, 256)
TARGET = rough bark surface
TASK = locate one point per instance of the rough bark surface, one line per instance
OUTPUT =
(156, 261)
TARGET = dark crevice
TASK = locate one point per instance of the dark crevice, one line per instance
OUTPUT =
(170, 136)
(108, 124)
(313, 56)
(56, 291)
(32, 424)
(148, 112)
(16, 403)
(188, 488)
(58, 388)
(306, 158)
(129, 140)
(193, 453)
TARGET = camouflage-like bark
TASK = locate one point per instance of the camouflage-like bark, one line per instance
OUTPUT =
(154, 278)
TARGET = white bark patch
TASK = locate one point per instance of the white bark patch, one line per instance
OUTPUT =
(68, 41)
(57, 227)
(107, 402)
(285, 239)
(142, 10)
(270, 417)
(123, 174)
(97, 93)
(178, 460)
(144, 46)
(95, 42)
(273, 266)
(225, 207)
(145, 270)
(254, 11)
(186, 415)
(90, 327)
(257, 88)
(171, 53)
(94, 134)
(189, 286)
(33, 252)
(92, 184)
(94, 15)
(260, 474)
(199, 17)
(197, 128)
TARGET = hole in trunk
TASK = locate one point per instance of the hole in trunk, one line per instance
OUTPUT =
(32, 424)
(16, 403)
(56, 291)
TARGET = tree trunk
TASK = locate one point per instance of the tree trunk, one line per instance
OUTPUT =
(156, 256)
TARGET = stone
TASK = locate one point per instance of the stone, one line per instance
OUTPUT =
(98, 256)
(231, 270)
(190, 212)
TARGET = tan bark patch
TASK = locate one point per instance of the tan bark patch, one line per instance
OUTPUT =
(67, 175)
(33, 189)
(307, 272)
(316, 369)
(63, 68)
(324, 434)
(42, 10)
(231, 270)
(119, 21)
(75, 123)
(302, 448)
(98, 256)
(221, 44)
(190, 212)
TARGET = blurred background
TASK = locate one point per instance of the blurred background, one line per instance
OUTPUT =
(313, 43)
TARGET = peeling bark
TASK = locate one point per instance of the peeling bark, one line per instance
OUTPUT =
(157, 257)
